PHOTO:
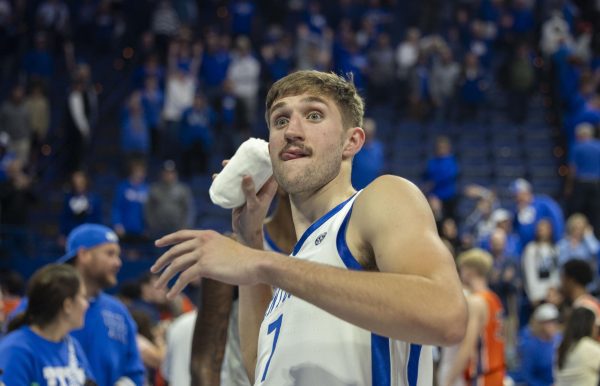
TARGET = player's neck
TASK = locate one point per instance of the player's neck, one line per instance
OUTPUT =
(309, 207)
(54, 332)
(478, 285)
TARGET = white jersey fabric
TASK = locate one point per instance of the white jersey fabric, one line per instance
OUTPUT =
(300, 344)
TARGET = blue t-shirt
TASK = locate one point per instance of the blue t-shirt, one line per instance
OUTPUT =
(542, 207)
(585, 157)
(537, 358)
(128, 206)
(29, 359)
(442, 172)
(108, 338)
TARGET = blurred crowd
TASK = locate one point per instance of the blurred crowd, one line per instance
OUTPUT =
(170, 88)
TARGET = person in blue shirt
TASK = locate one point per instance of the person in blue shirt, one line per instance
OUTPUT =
(80, 205)
(530, 209)
(38, 349)
(197, 136)
(368, 163)
(441, 176)
(108, 337)
(128, 204)
(537, 345)
(583, 182)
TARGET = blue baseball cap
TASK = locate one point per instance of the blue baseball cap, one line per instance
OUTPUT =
(87, 236)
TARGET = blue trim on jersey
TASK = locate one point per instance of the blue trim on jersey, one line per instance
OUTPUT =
(413, 364)
(317, 224)
(342, 247)
(270, 242)
(380, 361)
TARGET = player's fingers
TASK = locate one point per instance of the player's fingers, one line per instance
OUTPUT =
(269, 189)
(173, 252)
(182, 281)
(179, 265)
(249, 189)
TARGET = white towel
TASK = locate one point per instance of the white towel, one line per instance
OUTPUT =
(252, 159)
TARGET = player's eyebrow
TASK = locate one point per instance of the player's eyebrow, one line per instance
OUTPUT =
(308, 99)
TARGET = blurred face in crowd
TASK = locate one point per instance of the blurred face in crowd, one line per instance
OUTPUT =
(498, 242)
(76, 307)
(523, 198)
(576, 226)
(101, 264)
(544, 231)
(79, 182)
(442, 147)
(549, 328)
(138, 173)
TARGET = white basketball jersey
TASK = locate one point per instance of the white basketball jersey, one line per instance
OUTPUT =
(302, 345)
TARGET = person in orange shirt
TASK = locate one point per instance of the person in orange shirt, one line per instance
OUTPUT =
(480, 356)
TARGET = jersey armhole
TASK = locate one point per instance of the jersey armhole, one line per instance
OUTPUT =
(342, 246)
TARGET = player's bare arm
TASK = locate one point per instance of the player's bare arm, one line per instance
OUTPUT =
(477, 320)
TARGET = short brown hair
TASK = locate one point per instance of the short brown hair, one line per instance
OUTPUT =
(341, 90)
(477, 259)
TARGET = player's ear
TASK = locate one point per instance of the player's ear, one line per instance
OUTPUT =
(355, 138)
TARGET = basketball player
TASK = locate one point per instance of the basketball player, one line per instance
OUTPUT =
(480, 356)
(369, 281)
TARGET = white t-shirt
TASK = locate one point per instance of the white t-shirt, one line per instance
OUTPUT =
(582, 365)
(176, 366)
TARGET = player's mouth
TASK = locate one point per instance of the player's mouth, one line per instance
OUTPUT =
(292, 153)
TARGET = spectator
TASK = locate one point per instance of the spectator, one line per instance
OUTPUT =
(38, 62)
(407, 54)
(12, 287)
(233, 128)
(165, 24)
(578, 356)
(381, 66)
(576, 276)
(521, 81)
(473, 85)
(6, 156)
(16, 196)
(244, 73)
(108, 337)
(215, 65)
(39, 120)
(128, 204)
(78, 127)
(579, 241)
(538, 342)
(197, 137)
(531, 209)
(505, 277)
(181, 87)
(583, 182)
(368, 163)
(540, 264)
(54, 16)
(80, 205)
(170, 205)
(502, 219)
(441, 175)
(40, 349)
(135, 133)
(479, 223)
(153, 100)
(444, 79)
(242, 17)
(15, 121)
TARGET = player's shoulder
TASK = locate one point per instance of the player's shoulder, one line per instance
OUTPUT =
(390, 193)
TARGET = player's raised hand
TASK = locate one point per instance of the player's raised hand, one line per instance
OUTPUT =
(203, 253)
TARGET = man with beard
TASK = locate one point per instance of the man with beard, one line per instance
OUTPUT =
(108, 335)
(369, 284)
